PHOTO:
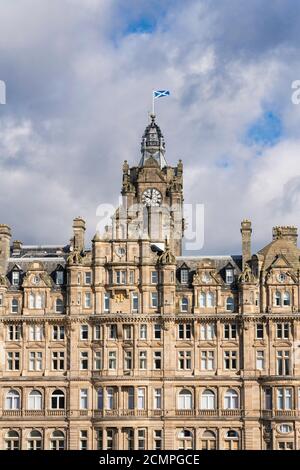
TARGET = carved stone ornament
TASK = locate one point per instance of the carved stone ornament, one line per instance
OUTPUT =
(74, 258)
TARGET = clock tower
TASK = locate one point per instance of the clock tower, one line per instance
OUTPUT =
(152, 195)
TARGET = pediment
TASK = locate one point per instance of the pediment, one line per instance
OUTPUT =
(34, 279)
(280, 262)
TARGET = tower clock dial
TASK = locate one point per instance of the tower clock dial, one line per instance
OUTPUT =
(151, 197)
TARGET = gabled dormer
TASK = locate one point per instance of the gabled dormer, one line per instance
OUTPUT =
(184, 274)
(15, 275)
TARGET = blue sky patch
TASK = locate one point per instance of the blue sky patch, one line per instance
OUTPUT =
(266, 131)
(141, 26)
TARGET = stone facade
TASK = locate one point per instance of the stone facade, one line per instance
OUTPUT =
(130, 345)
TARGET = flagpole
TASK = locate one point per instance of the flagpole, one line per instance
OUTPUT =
(152, 101)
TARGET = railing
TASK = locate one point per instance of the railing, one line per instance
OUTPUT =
(268, 414)
(127, 413)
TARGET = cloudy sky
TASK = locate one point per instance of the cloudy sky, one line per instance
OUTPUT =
(79, 75)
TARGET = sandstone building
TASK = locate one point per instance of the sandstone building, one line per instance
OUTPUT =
(131, 345)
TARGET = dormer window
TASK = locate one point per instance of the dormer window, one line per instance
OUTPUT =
(59, 278)
(229, 276)
(15, 278)
(184, 276)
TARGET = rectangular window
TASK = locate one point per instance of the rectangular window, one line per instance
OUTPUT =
(283, 330)
(58, 333)
(157, 331)
(106, 302)
(230, 360)
(87, 300)
(229, 276)
(184, 331)
(141, 439)
(112, 331)
(135, 302)
(157, 362)
(13, 360)
(14, 332)
(184, 276)
(143, 360)
(110, 439)
(127, 331)
(230, 331)
(84, 332)
(131, 277)
(284, 398)
(154, 277)
(141, 403)
(88, 277)
(208, 331)
(143, 331)
(97, 332)
(83, 440)
(207, 360)
(97, 360)
(15, 278)
(35, 360)
(58, 360)
(158, 438)
(84, 399)
(99, 439)
(59, 278)
(84, 360)
(260, 360)
(112, 360)
(36, 333)
(283, 363)
(154, 299)
(127, 360)
(157, 398)
(120, 277)
(268, 398)
(184, 360)
(259, 331)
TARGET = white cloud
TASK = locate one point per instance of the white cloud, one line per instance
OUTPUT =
(79, 89)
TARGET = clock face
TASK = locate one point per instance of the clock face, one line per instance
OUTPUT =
(151, 197)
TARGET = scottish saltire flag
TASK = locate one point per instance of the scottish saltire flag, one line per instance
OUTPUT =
(160, 93)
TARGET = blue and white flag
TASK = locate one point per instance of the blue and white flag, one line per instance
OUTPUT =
(160, 93)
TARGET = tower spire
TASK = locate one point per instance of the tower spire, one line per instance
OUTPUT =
(153, 144)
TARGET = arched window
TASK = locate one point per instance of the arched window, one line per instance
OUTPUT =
(230, 304)
(286, 299)
(35, 400)
(100, 398)
(277, 299)
(31, 300)
(208, 400)
(231, 400)
(59, 306)
(12, 440)
(12, 401)
(58, 400)
(34, 440)
(210, 299)
(184, 304)
(232, 440)
(209, 440)
(185, 439)
(185, 400)
(57, 441)
(14, 306)
(202, 299)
